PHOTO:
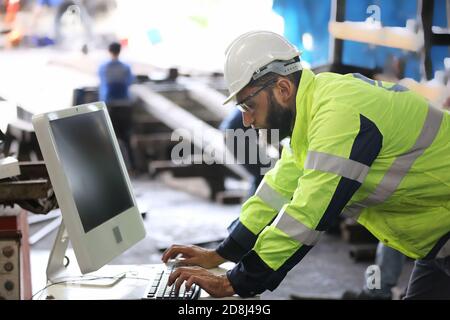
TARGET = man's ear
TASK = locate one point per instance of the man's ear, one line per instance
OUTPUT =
(284, 91)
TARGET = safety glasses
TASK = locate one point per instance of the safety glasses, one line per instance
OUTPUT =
(243, 106)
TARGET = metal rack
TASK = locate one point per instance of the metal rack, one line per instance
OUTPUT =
(419, 41)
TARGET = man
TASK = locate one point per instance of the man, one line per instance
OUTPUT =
(115, 77)
(115, 80)
(366, 149)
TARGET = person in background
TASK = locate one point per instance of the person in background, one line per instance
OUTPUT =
(115, 79)
(390, 262)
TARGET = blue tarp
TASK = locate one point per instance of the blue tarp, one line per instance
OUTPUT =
(312, 16)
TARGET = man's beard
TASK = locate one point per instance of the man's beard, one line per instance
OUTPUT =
(279, 118)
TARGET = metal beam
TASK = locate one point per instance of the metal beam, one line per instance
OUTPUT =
(208, 98)
(201, 134)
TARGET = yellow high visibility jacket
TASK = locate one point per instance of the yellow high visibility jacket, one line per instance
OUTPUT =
(366, 149)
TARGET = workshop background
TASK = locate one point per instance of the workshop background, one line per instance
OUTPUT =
(49, 57)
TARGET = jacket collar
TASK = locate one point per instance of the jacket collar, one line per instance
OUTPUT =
(299, 139)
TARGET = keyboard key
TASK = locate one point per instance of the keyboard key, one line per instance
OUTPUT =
(153, 289)
(160, 290)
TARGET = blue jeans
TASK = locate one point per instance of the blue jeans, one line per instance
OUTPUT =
(391, 263)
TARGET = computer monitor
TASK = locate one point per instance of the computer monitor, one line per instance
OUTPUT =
(91, 183)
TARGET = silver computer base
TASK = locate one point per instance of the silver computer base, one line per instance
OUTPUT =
(55, 266)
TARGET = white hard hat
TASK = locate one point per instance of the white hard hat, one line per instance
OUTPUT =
(251, 52)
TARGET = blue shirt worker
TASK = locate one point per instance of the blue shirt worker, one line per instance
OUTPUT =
(115, 77)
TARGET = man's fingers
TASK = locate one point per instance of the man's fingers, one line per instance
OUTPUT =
(189, 282)
(167, 253)
(172, 252)
(216, 286)
(185, 271)
(175, 250)
(173, 276)
(200, 280)
(179, 282)
(188, 262)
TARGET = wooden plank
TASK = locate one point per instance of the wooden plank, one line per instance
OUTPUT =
(374, 33)
(33, 169)
(24, 190)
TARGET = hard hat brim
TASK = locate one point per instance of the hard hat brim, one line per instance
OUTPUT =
(229, 98)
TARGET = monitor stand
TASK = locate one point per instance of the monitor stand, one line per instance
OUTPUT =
(58, 269)
(55, 266)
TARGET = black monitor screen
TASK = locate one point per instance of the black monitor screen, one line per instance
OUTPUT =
(85, 149)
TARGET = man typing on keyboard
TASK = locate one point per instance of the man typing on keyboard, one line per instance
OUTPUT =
(192, 269)
(359, 148)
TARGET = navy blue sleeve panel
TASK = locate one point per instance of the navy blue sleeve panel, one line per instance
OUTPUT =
(365, 150)
(368, 142)
(252, 276)
(230, 250)
(345, 190)
(237, 244)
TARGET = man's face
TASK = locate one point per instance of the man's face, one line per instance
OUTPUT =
(266, 112)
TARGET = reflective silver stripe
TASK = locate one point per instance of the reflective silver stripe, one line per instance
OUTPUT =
(295, 229)
(400, 166)
(270, 196)
(398, 88)
(364, 78)
(444, 251)
(353, 210)
(346, 168)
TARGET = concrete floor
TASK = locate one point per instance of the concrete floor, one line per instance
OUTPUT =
(175, 216)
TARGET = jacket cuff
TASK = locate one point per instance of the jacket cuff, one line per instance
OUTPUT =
(253, 276)
(243, 237)
(248, 277)
(230, 250)
(239, 242)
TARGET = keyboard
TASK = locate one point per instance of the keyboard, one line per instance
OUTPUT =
(160, 290)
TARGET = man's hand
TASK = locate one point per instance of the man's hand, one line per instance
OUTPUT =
(216, 286)
(193, 255)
